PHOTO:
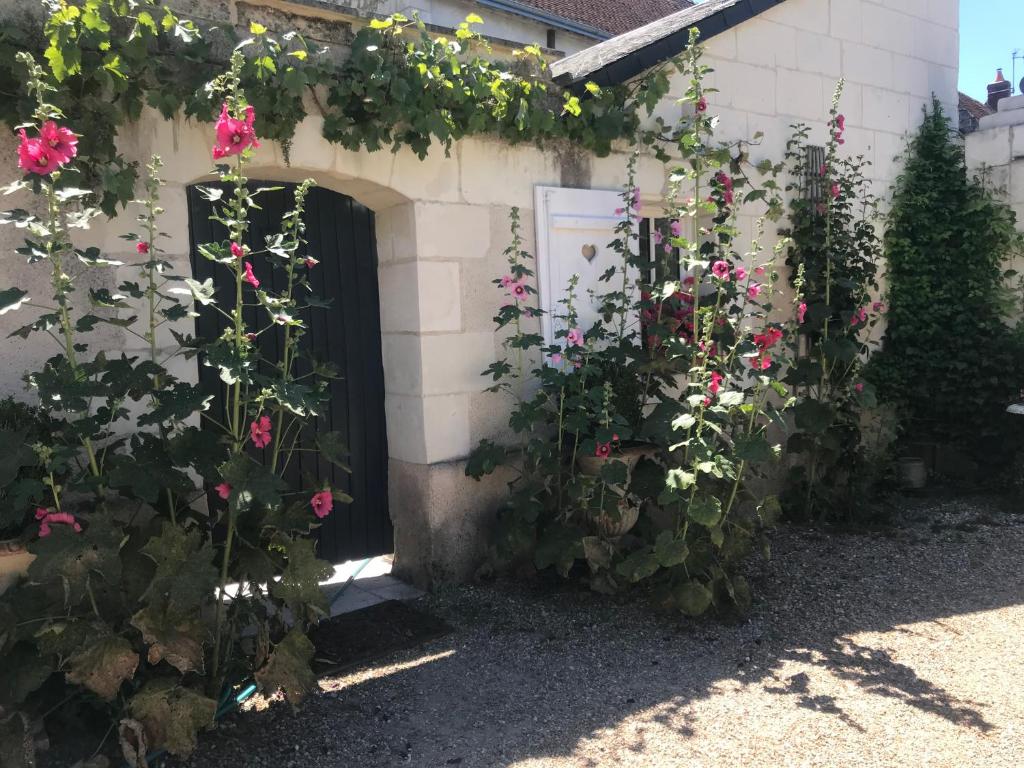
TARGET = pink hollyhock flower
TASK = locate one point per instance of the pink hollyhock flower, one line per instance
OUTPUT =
(61, 518)
(658, 237)
(716, 382)
(753, 290)
(518, 290)
(238, 251)
(859, 386)
(878, 306)
(322, 503)
(223, 490)
(801, 312)
(702, 104)
(603, 450)
(41, 512)
(823, 171)
(35, 157)
(840, 140)
(250, 336)
(677, 228)
(507, 280)
(556, 359)
(835, 190)
(574, 338)
(707, 401)
(250, 278)
(724, 179)
(841, 122)
(863, 314)
(741, 274)
(720, 269)
(667, 248)
(619, 211)
(60, 140)
(310, 262)
(762, 362)
(142, 247)
(259, 432)
(234, 136)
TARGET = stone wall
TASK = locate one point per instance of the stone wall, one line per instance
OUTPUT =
(442, 224)
(996, 151)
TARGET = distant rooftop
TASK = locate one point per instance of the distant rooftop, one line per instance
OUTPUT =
(612, 17)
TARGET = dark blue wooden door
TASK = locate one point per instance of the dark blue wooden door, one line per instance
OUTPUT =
(340, 234)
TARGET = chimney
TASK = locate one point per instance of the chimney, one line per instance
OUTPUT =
(998, 90)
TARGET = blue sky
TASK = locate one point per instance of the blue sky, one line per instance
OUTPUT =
(989, 32)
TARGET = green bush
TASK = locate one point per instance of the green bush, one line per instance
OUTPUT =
(949, 362)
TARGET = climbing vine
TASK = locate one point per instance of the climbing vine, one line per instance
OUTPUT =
(401, 86)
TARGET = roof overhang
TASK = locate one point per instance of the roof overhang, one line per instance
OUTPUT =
(543, 17)
(622, 58)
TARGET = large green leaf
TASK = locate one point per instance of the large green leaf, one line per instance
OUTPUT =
(185, 576)
(669, 550)
(813, 416)
(171, 715)
(23, 671)
(299, 584)
(253, 482)
(333, 448)
(288, 668)
(12, 298)
(638, 566)
(705, 510)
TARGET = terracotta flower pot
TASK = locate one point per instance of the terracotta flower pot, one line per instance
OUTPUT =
(611, 526)
(14, 563)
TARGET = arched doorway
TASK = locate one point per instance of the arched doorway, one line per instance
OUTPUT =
(341, 235)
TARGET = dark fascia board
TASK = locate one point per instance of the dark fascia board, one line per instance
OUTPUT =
(622, 58)
(550, 19)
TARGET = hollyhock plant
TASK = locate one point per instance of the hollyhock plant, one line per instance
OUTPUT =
(234, 136)
(249, 277)
(60, 140)
(259, 432)
(322, 503)
(34, 156)
(720, 269)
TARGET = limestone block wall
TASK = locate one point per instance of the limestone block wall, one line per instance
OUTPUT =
(996, 152)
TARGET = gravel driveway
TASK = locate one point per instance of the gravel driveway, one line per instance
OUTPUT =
(895, 648)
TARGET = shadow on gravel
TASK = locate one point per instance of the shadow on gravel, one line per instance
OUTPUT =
(531, 674)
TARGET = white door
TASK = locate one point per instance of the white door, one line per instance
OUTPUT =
(575, 229)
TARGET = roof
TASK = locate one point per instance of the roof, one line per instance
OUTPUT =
(973, 107)
(604, 17)
(627, 55)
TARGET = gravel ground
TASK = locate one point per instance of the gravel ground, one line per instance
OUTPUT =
(896, 647)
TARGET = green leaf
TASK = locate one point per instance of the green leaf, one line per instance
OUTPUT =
(171, 715)
(67, 561)
(176, 640)
(288, 668)
(813, 416)
(693, 598)
(299, 584)
(639, 565)
(669, 550)
(253, 482)
(754, 449)
(202, 292)
(12, 299)
(705, 510)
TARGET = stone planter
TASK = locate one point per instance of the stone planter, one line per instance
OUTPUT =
(14, 562)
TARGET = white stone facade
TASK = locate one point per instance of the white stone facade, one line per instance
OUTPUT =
(442, 224)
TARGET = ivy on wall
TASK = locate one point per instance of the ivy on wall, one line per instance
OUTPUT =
(400, 85)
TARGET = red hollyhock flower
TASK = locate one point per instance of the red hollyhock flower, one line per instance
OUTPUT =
(234, 136)
(34, 156)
